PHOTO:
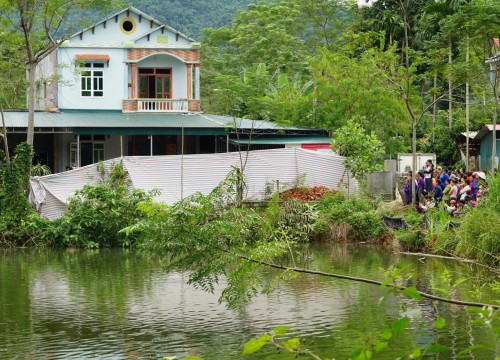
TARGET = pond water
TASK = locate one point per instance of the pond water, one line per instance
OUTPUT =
(116, 304)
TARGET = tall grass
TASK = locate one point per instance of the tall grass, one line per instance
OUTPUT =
(479, 233)
(351, 218)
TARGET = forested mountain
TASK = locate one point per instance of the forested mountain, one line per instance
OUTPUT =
(192, 16)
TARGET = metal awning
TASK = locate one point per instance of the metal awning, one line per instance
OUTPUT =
(95, 122)
(290, 140)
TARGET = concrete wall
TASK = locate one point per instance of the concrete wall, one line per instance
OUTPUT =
(405, 161)
(381, 183)
(46, 82)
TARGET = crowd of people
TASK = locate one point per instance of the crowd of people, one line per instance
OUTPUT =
(458, 190)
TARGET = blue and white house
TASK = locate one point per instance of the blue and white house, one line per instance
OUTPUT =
(130, 85)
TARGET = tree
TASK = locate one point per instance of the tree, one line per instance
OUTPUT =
(288, 100)
(324, 21)
(40, 23)
(349, 85)
(363, 151)
(282, 35)
(479, 23)
(12, 82)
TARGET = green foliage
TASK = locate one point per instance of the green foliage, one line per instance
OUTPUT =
(192, 16)
(96, 214)
(364, 151)
(282, 35)
(480, 229)
(479, 234)
(18, 223)
(12, 82)
(358, 213)
(209, 236)
(350, 84)
(40, 170)
(292, 345)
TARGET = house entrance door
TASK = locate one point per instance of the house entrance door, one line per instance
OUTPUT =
(155, 83)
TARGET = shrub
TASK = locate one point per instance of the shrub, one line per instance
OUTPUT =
(18, 218)
(355, 218)
(479, 234)
(96, 214)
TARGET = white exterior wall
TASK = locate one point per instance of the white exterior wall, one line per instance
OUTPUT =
(108, 38)
(112, 35)
(179, 72)
(156, 37)
(114, 86)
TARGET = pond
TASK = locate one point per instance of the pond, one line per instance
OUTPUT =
(117, 304)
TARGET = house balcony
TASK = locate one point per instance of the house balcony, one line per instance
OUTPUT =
(161, 106)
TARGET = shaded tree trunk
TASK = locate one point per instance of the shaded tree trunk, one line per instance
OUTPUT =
(450, 86)
(31, 102)
(5, 142)
(467, 111)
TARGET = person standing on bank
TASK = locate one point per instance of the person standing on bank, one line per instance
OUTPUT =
(428, 172)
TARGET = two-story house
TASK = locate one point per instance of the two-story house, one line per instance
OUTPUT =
(129, 85)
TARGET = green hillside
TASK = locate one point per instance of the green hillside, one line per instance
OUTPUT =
(192, 16)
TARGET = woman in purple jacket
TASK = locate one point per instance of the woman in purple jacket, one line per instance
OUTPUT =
(420, 184)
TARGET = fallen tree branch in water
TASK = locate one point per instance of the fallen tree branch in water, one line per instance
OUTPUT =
(367, 281)
(475, 262)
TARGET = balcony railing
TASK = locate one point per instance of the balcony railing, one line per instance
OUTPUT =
(162, 105)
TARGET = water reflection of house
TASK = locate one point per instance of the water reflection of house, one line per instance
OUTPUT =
(130, 85)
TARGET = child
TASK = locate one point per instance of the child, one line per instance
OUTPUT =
(430, 202)
(454, 190)
(452, 208)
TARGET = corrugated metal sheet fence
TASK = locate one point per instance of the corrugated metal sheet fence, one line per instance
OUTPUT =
(176, 176)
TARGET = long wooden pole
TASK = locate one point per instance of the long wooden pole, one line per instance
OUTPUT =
(78, 151)
(182, 162)
(450, 86)
(467, 112)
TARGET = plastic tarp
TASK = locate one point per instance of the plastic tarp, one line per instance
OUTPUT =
(176, 176)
